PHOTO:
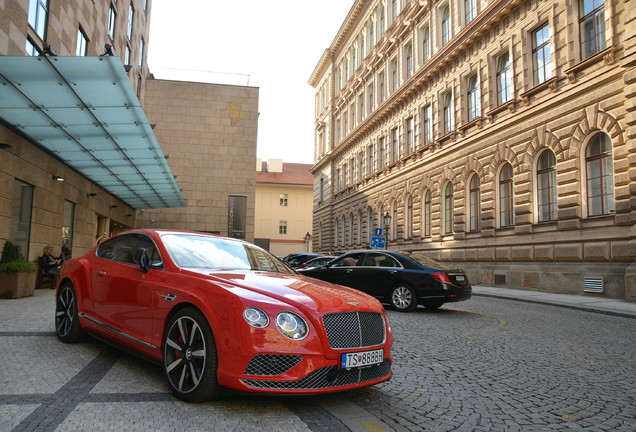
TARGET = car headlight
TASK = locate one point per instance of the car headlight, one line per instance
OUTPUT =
(291, 325)
(256, 317)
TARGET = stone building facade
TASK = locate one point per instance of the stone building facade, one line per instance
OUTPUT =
(498, 136)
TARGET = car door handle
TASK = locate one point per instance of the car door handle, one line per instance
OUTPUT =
(348, 271)
(392, 271)
(101, 273)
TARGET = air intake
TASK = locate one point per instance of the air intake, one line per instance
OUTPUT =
(593, 284)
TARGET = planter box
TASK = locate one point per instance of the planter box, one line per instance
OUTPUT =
(17, 284)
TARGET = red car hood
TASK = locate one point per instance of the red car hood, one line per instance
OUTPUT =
(305, 293)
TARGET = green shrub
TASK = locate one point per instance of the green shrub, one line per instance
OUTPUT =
(19, 265)
(9, 253)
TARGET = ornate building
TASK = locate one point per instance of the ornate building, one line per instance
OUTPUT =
(497, 136)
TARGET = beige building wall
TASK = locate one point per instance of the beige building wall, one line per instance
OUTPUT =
(208, 132)
(297, 214)
(375, 87)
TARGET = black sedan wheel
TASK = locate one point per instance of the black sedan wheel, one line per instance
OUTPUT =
(189, 357)
(67, 324)
(403, 298)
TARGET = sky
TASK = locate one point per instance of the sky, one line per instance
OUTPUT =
(273, 45)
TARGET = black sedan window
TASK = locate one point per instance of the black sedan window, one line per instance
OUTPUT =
(350, 260)
(376, 259)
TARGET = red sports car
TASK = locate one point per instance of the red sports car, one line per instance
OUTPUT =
(222, 313)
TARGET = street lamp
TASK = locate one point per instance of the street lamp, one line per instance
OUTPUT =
(386, 220)
(307, 238)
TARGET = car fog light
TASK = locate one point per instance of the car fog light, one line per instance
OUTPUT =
(291, 325)
(256, 317)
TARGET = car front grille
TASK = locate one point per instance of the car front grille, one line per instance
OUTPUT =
(346, 330)
(271, 364)
(327, 377)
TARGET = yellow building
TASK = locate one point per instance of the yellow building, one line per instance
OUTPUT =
(284, 196)
(497, 136)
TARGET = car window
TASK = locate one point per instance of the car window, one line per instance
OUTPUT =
(124, 249)
(350, 260)
(199, 251)
(382, 260)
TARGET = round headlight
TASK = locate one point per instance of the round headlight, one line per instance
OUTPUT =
(291, 325)
(256, 317)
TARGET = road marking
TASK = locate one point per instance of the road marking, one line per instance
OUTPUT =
(502, 322)
(356, 418)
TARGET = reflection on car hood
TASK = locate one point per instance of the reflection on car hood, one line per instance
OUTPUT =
(302, 292)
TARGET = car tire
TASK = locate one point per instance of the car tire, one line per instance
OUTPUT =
(433, 305)
(403, 298)
(189, 356)
(67, 326)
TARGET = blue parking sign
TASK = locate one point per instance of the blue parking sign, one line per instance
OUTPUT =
(377, 242)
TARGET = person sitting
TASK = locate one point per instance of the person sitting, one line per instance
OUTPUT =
(50, 264)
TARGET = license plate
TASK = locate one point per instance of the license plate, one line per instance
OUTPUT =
(361, 359)
(459, 278)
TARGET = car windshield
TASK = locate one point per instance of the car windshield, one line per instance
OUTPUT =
(199, 251)
(427, 262)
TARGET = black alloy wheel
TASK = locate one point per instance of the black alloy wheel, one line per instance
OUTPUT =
(403, 298)
(67, 324)
(189, 356)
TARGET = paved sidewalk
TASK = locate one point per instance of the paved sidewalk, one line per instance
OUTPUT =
(590, 303)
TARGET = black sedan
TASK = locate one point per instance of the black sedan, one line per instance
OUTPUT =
(402, 280)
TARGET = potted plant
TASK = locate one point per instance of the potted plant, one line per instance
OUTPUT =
(17, 276)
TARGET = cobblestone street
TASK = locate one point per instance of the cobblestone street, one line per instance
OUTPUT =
(482, 365)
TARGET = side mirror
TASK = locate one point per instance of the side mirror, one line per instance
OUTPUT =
(142, 260)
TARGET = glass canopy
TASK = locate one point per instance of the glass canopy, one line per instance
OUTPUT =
(85, 112)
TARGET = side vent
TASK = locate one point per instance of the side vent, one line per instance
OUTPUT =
(593, 284)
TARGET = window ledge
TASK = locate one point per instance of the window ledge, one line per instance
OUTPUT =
(608, 55)
(552, 84)
(510, 106)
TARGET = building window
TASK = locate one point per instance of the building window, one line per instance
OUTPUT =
(283, 200)
(427, 124)
(473, 98)
(394, 10)
(546, 187)
(369, 223)
(112, 17)
(371, 35)
(506, 197)
(127, 55)
(474, 196)
(382, 22)
(359, 232)
(282, 227)
(448, 112)
(409, 218)
(446, 27)
(371, 98)
(322, 189)
(541, 58)
(131, 17)
(68, 220)
(21, 210)
(361, 109)
(370, 159)
(38, 12)
(447, 217)
(394, 221)
(141, 52)
(426, 44)
(600, 178)
(408, 54)
(394, 75)
(351, 230)
(410, 135)
(81, 48)
(343, 233)
(427, 214)
(592, 25)
(504, 82)
(237, 216)
(469, 11)
(383, 161)
(381, 87)
(395, 144)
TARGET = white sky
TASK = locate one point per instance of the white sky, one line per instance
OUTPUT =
(274, 44)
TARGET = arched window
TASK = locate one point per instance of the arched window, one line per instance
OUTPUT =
(351, 230)
(335, 233)
(546, 187)
(359, 235)
(600, 176)
(474, 196)
(446, 27)
(448, 208)
(394, 221)
(506, 197)
(427, 214)
(409, 218)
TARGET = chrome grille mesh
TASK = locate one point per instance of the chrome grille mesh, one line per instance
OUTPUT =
(327, 377)
(346, 330)
(271, 364)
